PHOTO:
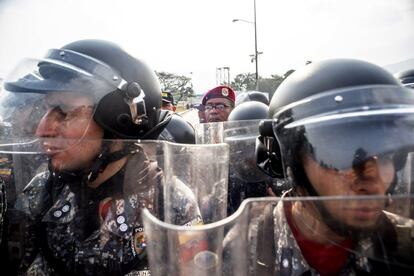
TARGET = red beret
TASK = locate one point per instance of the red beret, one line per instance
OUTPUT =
(221, 91)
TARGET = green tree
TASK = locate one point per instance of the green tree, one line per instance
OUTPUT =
(244, 82)
(247, 82)
(269, 85)
(180, 87)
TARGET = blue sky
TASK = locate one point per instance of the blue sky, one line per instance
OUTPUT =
(193, 37)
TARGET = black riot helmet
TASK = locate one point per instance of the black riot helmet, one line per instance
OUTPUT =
(341, 113)
(406, 77)
(178, 130)
(96, 82)
(113, 112)
(252, 96)
(251, 110)
(125, 92)
(243, 123)
(327, 75)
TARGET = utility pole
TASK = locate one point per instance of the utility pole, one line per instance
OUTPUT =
(256, 58)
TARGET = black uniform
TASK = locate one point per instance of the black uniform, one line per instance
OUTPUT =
(389, 249)
(77, 230)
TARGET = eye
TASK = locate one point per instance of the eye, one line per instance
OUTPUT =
(68, 112)
(220, 106)
(60, 111)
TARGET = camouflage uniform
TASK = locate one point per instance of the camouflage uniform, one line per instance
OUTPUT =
(284, 257)
(3, 207)
(83, 231)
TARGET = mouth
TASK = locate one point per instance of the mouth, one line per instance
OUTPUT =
(365, 213)
(214, 119)
(51, 149)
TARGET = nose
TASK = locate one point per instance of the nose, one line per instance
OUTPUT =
(366, 178)
(48, 125)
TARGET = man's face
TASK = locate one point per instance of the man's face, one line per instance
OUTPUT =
(373, 177)
(76, 139)
(217, 110)
(168, 106)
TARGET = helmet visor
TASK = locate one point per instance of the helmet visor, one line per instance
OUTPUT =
(345, 144)
(375, 125)
(60, 91)
(65, 71)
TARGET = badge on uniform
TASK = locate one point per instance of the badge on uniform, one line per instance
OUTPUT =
(138, 243)
(104, 207)
(61, 211)
(225, 91)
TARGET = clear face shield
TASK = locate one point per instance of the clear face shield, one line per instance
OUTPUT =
(57, 97)
(105, 214)
(269, 236)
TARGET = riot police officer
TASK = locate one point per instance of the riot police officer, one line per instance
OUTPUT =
(83, 211)
(341, 128)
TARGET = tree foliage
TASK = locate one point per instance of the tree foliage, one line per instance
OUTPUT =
(244, 82)
(181, 87)
(247, 82)
(269, 85)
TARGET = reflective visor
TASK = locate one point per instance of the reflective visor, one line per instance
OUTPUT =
(346, 142)
(342, 129)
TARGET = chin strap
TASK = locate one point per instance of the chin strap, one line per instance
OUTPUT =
(105, 158)
(99, 164)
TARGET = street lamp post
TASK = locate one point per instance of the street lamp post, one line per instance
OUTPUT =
(255, 48)
(256, 53)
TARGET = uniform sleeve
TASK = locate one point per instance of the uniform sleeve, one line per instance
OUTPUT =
(32, 200)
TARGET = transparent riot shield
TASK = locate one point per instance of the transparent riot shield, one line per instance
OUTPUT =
(204, 169)
(274, 236)
(80, 210)
(245, 179)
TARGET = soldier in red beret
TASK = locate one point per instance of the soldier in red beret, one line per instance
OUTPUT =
(218, 103)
